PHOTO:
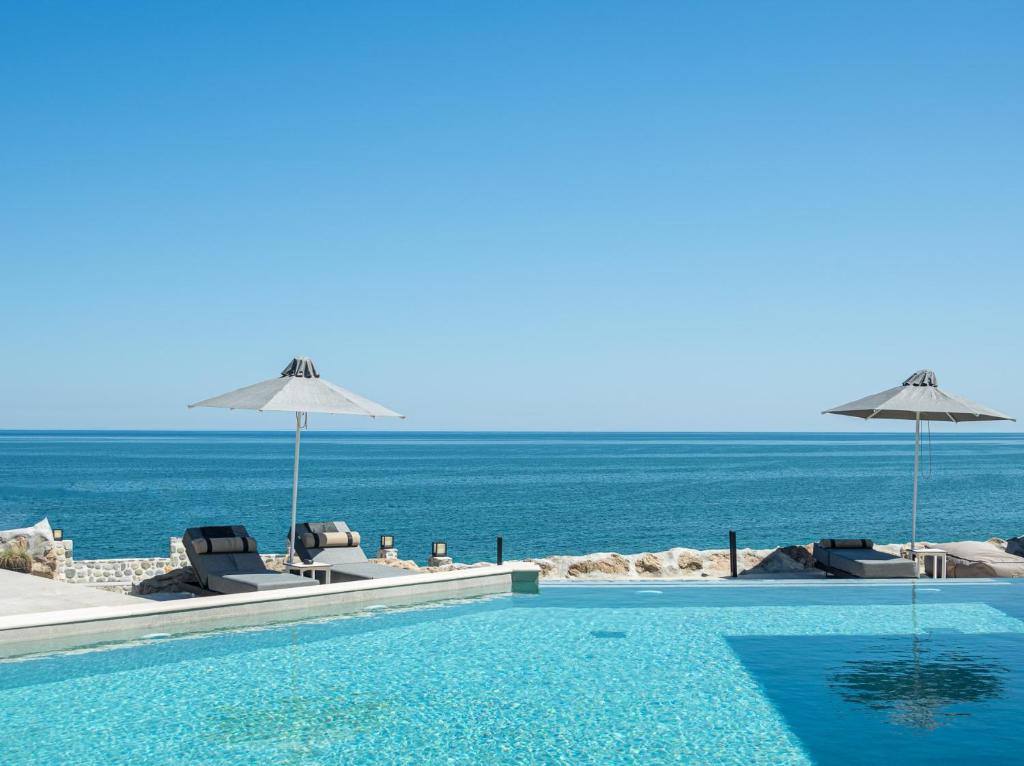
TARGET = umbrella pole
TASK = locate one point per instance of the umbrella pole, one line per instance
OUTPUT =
(295, 487)
(917, 462)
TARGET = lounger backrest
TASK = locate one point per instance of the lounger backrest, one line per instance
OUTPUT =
(345, 555)
(245, 559)
(832, 542)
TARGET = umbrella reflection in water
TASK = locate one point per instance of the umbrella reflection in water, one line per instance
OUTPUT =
(920, 683)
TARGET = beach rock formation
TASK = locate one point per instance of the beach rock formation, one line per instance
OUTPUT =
(599, 564)
(689, 562)
(648, 565)
(677, 564)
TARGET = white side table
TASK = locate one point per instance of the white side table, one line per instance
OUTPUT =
(309, 570)
(919, 555)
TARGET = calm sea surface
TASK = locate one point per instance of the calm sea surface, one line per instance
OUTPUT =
(121, 493)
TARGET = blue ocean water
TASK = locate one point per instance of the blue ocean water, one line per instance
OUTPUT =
(579, 674)
(125, 493)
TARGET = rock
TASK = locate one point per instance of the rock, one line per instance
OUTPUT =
(801, 554)
(1015, 546)
(774, 562)
(648, 565)
(689, 562)
(547, 567)
(608, 564)
(715, 564)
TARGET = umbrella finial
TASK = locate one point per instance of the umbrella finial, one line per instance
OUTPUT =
(922, 378)
(300, 367)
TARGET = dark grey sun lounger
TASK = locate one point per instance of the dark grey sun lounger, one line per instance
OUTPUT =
(347, 560)
(858, 558)
(225, 560)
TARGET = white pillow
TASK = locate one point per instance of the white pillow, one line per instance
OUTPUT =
(37, 535)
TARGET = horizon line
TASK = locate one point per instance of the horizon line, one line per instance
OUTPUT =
(471, 431)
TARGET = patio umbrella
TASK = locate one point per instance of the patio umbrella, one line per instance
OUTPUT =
(299, 389)
(919, 398)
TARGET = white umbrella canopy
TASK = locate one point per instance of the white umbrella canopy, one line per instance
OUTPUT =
(299, 389)
(919, 398)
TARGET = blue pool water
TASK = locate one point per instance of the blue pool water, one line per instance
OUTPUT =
(706, 674)
(547, 493)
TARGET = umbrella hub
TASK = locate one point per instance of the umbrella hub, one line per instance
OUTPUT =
(300, 367)
(920, 378)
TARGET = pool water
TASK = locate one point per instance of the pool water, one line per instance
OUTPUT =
(579, 674)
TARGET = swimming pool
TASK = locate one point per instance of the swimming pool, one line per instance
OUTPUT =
(579, 674)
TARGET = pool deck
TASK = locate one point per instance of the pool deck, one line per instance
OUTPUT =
(38, 615)
(23, 594)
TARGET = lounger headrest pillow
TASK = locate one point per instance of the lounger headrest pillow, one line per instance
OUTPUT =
(331, 539)
(202, 545)
(846, 543)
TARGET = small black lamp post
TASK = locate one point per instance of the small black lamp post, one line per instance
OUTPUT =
(387, 547)
(439, 554)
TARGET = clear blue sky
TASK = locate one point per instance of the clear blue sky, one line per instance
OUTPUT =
(531, 215)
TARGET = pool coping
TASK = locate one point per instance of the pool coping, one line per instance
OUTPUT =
(726, 582)
(74, 627)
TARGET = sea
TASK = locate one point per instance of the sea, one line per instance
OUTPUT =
(123, 493)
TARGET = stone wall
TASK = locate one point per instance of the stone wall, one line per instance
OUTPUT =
(51, 562)
(49, 557)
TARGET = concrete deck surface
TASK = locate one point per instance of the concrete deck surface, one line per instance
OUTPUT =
(28, 594)
(39, 615)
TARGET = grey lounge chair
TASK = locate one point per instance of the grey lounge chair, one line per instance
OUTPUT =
(858, 558)
(972, 558)
(348, 562)
(226, 561)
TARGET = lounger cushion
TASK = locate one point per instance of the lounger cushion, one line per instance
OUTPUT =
(331, 555)
(331, 539)
(864, 562)
(257, 581)
(204, 545)
(367, 571)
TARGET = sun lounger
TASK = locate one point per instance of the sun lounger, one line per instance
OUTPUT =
(226, 561)
(332, 542)
(858, 558)
(977, 559)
